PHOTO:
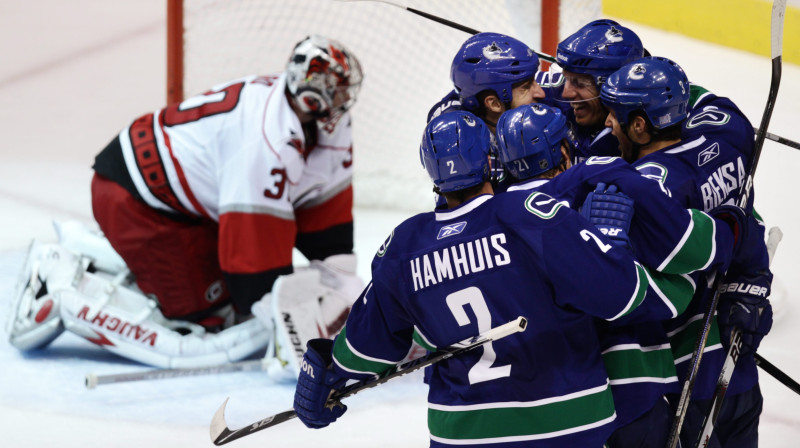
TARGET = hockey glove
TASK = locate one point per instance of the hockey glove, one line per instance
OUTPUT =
(611, 212)
(743, 302)
(315, 384)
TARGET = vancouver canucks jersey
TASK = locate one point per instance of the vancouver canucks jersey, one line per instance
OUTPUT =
(441, 277)
(705, 172)
(637, 355)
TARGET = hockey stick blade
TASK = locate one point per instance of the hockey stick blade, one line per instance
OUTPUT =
(442, 21)
(222, 434)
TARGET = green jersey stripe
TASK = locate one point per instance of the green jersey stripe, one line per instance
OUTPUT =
(508, 421)
(632, 363)
(352, 361)
(675, 290)
(696, 249)
(683, 339)
(639, 293)
(420, 339)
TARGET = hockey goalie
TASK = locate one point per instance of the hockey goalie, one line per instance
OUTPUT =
(200, 206)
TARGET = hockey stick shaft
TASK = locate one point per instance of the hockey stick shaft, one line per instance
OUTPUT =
(221, 434)
(92, 380)
(776, 34)
(781, 140)
(778, 374)
(446, 22)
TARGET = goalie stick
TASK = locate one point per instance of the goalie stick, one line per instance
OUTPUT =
(221, 434)
(776, 33)
(93, 380)
(449, 23)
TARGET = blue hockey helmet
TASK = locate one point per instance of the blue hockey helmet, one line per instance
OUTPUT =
(491, 61)
(529, 139)
(599, 49)
(655, 85)
(455, 151)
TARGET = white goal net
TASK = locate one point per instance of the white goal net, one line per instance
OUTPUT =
(406, 60)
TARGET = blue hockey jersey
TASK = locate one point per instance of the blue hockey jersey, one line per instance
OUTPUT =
(441, 277)
(704, 171)
(638, 356)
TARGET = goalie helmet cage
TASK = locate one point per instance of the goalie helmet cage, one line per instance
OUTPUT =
(406, 60)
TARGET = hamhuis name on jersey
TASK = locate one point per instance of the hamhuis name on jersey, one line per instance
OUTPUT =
(459, 260)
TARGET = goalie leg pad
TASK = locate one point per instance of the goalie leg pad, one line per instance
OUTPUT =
(34, 320)
(129, 324)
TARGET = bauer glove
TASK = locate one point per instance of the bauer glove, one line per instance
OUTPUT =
(315, 384)
(611, 212)
(743, 302)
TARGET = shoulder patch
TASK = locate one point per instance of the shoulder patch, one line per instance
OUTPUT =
(656, 172)
(543, 205)
(382, 250)
(600, 160)
(710, 115)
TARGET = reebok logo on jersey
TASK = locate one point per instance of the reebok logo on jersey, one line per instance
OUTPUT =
(451, 229)
(708, 154)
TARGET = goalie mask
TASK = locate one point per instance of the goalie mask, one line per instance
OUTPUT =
(655, 85)
(323, 77)
(529, 139)
(455, 151)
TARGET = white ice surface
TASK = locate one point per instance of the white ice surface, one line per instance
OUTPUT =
(75, 72)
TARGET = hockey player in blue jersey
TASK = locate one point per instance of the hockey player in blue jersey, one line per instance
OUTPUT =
(587, 58)
(443, 276)
(532, 146)
(491, 73)
(648, 102)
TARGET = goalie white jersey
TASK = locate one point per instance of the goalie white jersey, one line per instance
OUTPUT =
(239, 155)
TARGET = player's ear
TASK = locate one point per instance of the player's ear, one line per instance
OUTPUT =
(638, 125)
(493, 104)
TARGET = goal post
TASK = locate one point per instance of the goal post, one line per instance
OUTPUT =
(406, 61)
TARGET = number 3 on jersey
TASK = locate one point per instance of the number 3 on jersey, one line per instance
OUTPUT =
(473, 297)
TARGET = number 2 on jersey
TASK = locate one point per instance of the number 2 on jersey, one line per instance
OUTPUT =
(473, 297)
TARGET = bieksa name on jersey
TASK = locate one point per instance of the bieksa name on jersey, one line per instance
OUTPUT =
(724, 181)
(458, 260)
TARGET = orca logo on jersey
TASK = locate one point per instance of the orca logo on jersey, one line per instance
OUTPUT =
(385, 245)
(710, 116)
(656, 172)
(451, 229)
(543, 206)
(708, 154)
